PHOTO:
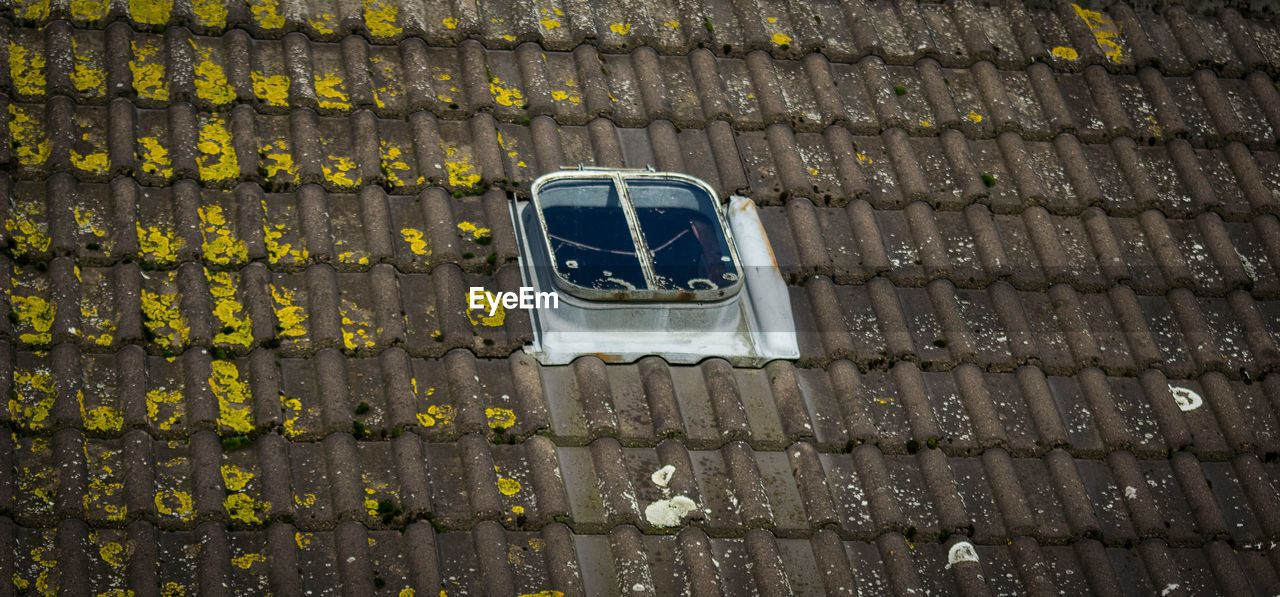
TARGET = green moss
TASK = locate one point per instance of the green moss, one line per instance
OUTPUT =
(900, 90)
(988, 180)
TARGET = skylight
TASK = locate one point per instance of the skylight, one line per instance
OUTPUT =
(636, 236)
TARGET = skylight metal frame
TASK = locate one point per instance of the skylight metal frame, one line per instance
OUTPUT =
(652, 294)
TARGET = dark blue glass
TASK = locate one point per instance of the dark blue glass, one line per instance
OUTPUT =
(590, 240)
(683, 232)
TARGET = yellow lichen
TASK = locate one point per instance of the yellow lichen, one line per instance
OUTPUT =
(291, 319)
(330, 93)
(217, 159)
(154, 157)
(247, 561)
(973, 117)
(477, 233)
(235, 478)
(29, 234)
(156, 245)
(27, 137)
(34, 11)
(277, 251)
(461, 171)
(450, 22)
(672, 24)
(173, 502)
(211, 80)
(94, 162)
(89, 10)
(148, 71)
(417, 244)
(33, 313)
(356, 334)
(271, 89)
(620, 28)
(220, 245)
(87, 79)
(481, 316)
(380, 18)
(102, 488)
(277, 161)
(31, 398)
(1066, 53)
(102, 418)
(781, 39)
(506, 96)
(393, 164)
(150, 12)
(267, 13)
(338, 170)
(171, 400)
(500, 418)
(1105, 32)
(322, 23)
(26, 69)
(508, 486)
(234, 406)
(436, 415)
(210, 13)
(163, 316)
(293, 411)
(236, 328)
(242, 507)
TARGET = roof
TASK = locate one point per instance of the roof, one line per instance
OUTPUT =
(1033, 256)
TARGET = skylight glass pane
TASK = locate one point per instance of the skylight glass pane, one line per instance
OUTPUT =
(590, 240)
(685, 239)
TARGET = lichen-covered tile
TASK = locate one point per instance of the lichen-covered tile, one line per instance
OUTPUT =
(382, 496)
(244, 503)
(36, 478)
(165, 324)
(292, 309)
(32, 304)
(153, 148)
(361, 330)
(27, 221)
(506, 86)
(974, 488)
(317, 561)
(166, 402)
(329, 79)
(397, 163)
(230, 384)
(516, 485)
(35, 561)
(27, 64)
(269, 76)
(28, 138)
(949, 410)
(175, 486)
(1146, 276)
(309, 474)
(97, 397)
